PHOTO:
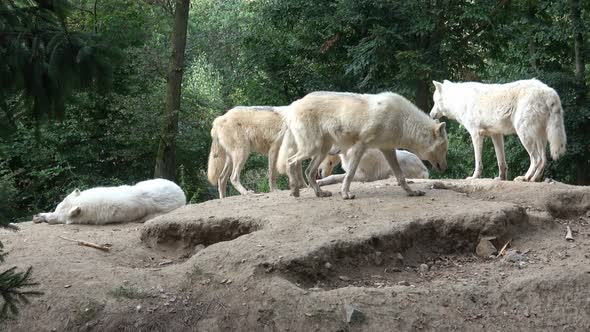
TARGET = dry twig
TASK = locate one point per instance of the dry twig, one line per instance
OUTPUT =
(504, 248)
(87, 244)
(568, 235)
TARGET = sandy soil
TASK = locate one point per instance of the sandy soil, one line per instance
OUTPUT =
(275, 263)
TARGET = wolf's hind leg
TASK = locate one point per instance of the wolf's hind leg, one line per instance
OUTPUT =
(391, 157)
(498, 141)
(239, 160)
(224, 177)
(542, 160)
(312, 170)
(531, 147)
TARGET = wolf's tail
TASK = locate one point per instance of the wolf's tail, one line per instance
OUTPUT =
(555, 128)
(216, 158)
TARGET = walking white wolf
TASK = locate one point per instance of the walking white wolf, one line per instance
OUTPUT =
(234, 135)
(355, 122)
(528, 108)
(372, 167)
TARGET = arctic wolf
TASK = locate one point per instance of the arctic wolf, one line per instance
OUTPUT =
(355, 122)
(372, 167)
(238, 132)
(104, 205)
(234, 135)
(528, 108)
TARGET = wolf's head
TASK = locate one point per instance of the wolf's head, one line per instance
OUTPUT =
(64, 212)
(436, 153)
(332, 160)
(438, 110)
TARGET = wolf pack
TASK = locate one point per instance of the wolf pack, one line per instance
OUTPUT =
(372, 136)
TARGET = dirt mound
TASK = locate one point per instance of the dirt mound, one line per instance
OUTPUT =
(384, 261)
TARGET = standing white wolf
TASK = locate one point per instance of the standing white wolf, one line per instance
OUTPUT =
(528, 108)
(372, 167)
(234, 135)
(104, 205)
(355, 122)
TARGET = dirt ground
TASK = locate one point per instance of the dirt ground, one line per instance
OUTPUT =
(381, 262)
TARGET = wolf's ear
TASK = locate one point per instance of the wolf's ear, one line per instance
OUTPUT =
(437, 85)
(76, 192)
(446, 82)
(334, 151)
(75, 211)
(439, 129)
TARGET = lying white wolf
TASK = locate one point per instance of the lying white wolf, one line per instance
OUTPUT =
(104, 205)
(356, 122)
(372, 167)
(528, 108)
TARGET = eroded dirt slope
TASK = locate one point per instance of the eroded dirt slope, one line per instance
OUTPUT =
(275, 263)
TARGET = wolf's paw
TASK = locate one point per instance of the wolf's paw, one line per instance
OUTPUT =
(37, 219)
(323, 193)
(347, 195)
(520, 179)
(416, 193)
(500, 178)
(295, 192)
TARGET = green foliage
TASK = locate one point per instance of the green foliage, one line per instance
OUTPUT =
(44, 61)
(13, 291)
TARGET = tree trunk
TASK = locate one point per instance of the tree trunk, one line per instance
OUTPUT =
(423, 95)
(166, 157)
(582, 176)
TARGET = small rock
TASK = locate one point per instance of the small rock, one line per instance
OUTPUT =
(353, 315)
(138, 308)
(485, 248)
(424, 268)
(344, 278)
(403, 283)
(514, 256)
(67, 286)
(328, 265)
(378, 258)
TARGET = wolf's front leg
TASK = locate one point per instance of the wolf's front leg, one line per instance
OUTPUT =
(391, 157)
(356, 153)
(477, 140)
(311, 172)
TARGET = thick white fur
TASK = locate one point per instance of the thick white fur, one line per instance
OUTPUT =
(105, 205)
(355, 122)
(372, 167)
(528, 108)
(234, 135)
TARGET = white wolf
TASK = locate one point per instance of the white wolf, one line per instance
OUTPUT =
(234, 135)
(372, 167)
(355, 122)
(104, 205)
(528, 108)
